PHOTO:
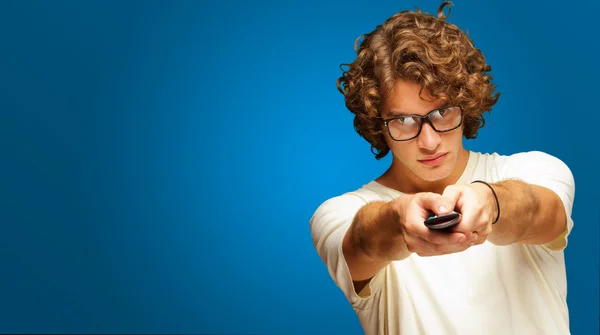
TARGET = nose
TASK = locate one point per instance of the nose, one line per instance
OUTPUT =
(428, 139)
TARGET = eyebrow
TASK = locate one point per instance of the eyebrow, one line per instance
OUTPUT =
(395, 113)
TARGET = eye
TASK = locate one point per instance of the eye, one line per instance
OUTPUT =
(442, 113)
(407, 121)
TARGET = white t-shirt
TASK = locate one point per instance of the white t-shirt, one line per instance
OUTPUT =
(487, 289)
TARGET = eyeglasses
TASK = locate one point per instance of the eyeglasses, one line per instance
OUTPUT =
(407, 127)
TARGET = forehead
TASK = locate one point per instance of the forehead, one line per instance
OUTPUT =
(408, 98)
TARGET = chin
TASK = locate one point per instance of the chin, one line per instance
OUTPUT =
(435, 174)
(434, 177)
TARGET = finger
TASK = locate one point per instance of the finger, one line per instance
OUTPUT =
(455, 196)
(451, 196)
(483, 224)
(465, 226)
(480, 239)
(414, 243)
(486, 231)
(415, 220)
(425, 248)
(442, 237)
(417, 245)
(469, 215)
(431, 254)
(416, 227)
(434, 202)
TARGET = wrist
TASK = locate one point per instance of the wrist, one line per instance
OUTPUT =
(386, 232)
(395, 215)
(491, 199)
(370, 226)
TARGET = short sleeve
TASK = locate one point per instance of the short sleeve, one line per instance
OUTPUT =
(328, 226)
(542, 169)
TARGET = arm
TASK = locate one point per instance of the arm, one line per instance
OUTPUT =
(530, 214)
(357, 238)
(371, 243)
(535, 192)
(382, 232)
(549, 185)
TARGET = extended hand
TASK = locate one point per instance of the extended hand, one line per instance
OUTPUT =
(475, 203)
(413, 211)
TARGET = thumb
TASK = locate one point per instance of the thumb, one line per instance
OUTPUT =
(435, 203)
(450, 196)
(442, 206)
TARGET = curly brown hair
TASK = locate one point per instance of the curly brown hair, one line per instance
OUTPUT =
(416, 46)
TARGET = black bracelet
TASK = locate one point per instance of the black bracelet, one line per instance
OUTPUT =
(495, 196)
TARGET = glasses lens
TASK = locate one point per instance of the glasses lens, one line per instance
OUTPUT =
(403, 128)
(446, 118)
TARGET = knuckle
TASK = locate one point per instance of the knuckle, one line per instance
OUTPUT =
(481, 239)
(460, 247)
(481, 223)
(409, 229)
(430, 195)
(483, 231)
(439, 249)
(456, 188)
(467, 191)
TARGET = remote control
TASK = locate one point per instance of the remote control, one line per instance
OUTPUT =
(442, 221)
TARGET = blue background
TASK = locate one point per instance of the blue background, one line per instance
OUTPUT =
(161, 160)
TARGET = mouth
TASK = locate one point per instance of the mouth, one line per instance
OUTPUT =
(434, 159)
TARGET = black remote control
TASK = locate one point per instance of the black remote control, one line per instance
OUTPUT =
(443, 221)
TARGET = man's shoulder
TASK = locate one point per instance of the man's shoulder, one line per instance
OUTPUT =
(521, 157)
(496, 154)
(523, 164)
(367, 192)
(354, 197)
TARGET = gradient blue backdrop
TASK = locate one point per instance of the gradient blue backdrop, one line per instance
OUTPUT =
(161, 160)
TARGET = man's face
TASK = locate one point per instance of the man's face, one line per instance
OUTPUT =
(432, 155)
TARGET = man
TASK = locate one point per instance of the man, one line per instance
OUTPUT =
(417, 87)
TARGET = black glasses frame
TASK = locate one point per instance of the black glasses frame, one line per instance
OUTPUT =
(424, 118)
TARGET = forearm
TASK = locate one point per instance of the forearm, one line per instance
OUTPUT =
(372, 240)
(528, 214)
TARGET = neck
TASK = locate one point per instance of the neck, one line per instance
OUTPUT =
(402, 179)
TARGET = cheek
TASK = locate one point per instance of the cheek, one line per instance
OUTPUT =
(404, 150)
(453, 137)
